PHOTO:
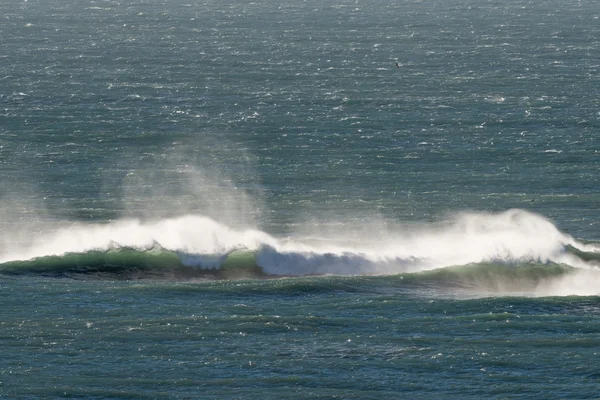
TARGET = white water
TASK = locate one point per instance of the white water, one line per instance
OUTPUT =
(512, 237)
(509, 237)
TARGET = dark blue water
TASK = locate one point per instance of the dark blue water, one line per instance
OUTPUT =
(312, 199)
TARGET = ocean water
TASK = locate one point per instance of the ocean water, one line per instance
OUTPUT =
(310, 199)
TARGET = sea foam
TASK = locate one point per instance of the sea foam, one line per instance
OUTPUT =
(513, 236)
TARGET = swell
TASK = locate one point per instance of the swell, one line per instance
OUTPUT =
(159, 263)
(133, 264)
(526, 278)
(474, 249)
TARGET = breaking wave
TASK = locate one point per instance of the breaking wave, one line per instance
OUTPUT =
(512, 250)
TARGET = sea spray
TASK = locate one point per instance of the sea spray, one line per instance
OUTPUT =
(513, 237)
(510, 237)
(189, 234)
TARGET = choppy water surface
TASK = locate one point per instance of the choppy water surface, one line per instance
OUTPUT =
(313, 199)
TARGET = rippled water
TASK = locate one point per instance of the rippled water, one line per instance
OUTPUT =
(312, 199)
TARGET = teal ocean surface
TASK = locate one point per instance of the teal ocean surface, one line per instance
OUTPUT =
(342, 199)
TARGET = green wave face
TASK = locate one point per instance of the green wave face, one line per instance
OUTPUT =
(160, 264)
(501, 251)
(495, 277)
(131, 264)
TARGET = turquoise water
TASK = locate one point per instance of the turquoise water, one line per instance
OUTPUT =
(312, 199)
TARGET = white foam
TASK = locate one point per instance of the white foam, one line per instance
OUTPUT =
(189, 234)
(508, 237)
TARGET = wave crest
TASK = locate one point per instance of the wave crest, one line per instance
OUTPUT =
(196, 245)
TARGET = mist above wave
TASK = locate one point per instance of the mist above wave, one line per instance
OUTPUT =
(508, 237)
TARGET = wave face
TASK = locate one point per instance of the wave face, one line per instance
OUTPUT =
(509, 251)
